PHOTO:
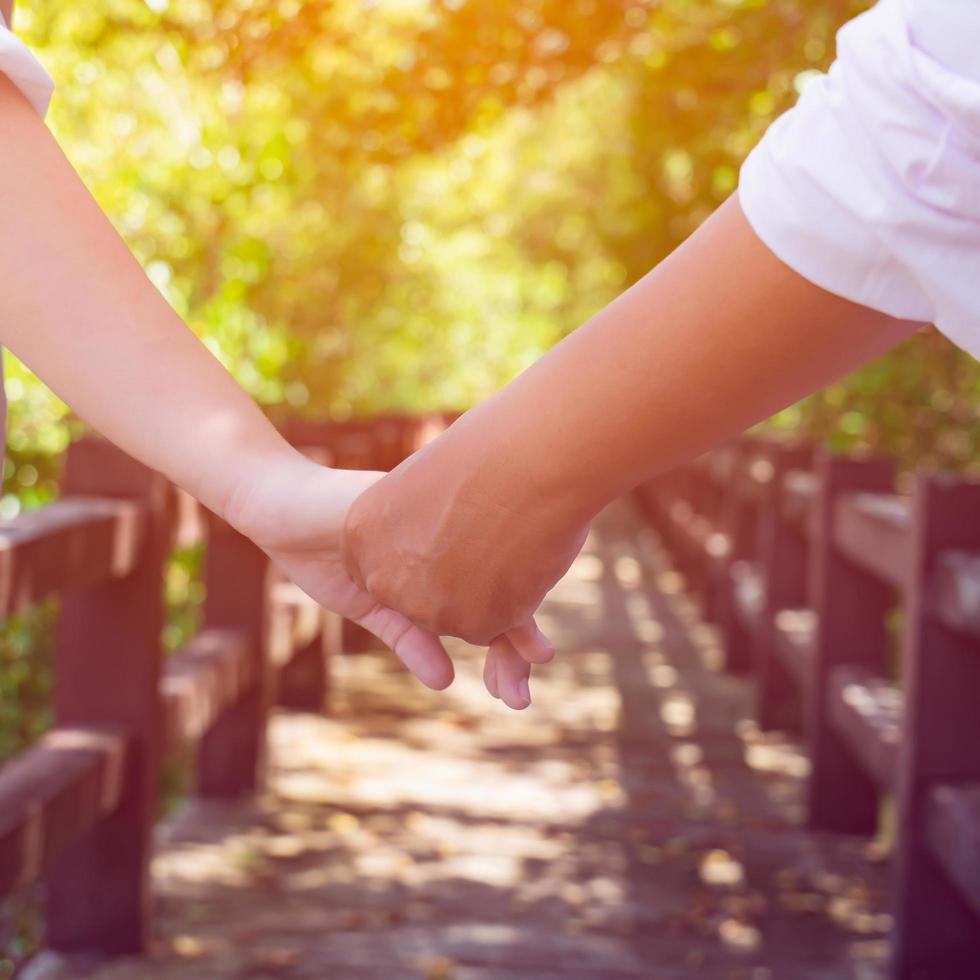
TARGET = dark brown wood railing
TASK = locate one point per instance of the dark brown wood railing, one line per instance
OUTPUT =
(79, 807)
(803, 559)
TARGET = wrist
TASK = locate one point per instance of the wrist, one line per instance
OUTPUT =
(530, 471)
(286, 502)
(255, 482)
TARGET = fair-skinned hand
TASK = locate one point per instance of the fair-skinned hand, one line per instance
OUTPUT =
(294, 510)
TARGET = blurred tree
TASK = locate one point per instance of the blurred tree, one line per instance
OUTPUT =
(366, 204)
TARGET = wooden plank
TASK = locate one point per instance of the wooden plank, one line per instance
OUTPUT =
(780, 547)
(72, 544)
(351, 442)
(702, 464)
(953, 836)
(681, 513)
(190, 523)
(721, 465)
(297, 621)
(757, 474)
(851, 607)
(935, 933)
(304, 638)
(866, 712)
(390, 434)
(955, 591)
(231, 757)
(201, 680)
(699, 538)
(794, 638)
(107, 672)
(378, 442)
(873, 530)
(781, 550)
(740, 519)
(800, 489)
(748, 593)
(53, 793)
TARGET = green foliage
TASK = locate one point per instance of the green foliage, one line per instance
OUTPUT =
(375, 204)
(25, 678)
(20, 929)
(184, 594)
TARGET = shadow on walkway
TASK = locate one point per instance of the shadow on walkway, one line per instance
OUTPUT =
(632, 823)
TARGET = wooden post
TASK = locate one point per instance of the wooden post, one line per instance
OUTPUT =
(231, 756)
(742, 514)
(718, 484)
(107, 658)
(782, 554)
(304, 682)
(935, 934)
(851, 607)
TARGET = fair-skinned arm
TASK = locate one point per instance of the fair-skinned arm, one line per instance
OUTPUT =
(77, 308)
(467, 536)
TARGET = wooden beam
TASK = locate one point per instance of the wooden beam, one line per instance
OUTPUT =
(748, 594)
(231, 756)
(107, 672)
(190, 522)
(72, 544)
(52, 794)
(297, 620)
(851, 608)
(935, 934)
(800, 489)
(953, 836)
(866, 712)
(955, 591)
(873, 530)
(201, 680)
(304, 639)
(794, 638)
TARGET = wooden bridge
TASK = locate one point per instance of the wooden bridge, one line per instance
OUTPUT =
(694, 793)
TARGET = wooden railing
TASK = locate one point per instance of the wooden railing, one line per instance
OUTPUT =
(803, 559)
(78, 808)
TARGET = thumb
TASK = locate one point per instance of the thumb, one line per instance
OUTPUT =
(419, 650)
(348, 556)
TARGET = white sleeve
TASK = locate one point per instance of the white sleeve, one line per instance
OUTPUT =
(24, 70)
(870, 186)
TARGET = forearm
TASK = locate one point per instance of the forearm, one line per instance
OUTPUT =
(77, 308)
(716, 338)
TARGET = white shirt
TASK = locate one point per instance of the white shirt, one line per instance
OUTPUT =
(24, 70)
(870, 186)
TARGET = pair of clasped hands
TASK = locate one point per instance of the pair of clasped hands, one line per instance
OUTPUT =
(435, 548)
